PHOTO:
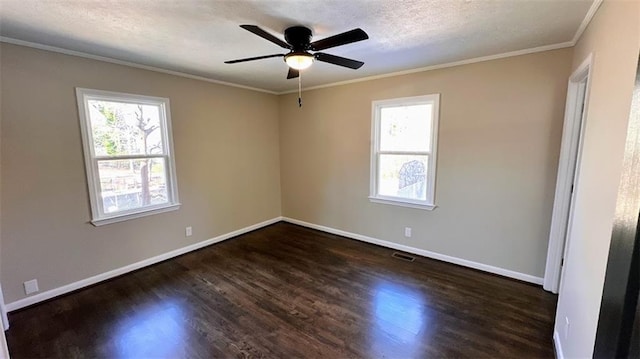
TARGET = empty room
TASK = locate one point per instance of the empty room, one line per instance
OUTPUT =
(319, 179)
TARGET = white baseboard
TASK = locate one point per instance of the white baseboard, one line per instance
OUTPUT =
(557, 345)
(421, 252)
(131, 267)
(25, 302)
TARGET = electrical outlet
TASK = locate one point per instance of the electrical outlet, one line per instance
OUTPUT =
(31, 286)
(566, 327)
(188, 231)
(407, 232)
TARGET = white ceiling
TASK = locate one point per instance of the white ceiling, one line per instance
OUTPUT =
(196, 36)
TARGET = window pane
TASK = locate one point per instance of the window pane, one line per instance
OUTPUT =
(403, 176)
(406, 128)
(131, 184)
(120, 129)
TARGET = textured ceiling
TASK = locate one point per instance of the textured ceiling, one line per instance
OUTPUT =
(197, 36)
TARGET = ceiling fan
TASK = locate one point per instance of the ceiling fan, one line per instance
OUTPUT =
(298, 42)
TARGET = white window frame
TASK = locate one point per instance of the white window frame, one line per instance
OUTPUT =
(99, 217)
(377, 106)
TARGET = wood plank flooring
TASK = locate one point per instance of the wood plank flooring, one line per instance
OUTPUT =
(286, 291)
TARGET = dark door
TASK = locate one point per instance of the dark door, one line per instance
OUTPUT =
(618, 335)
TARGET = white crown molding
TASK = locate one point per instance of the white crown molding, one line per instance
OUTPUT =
(60, 50)
(421, 252)
(587, 19)
(474, 60)
(583, 25)
(52, 293)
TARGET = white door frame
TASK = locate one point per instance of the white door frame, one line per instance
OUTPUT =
(568, 166)
(3, 311)
(4, 348)
(4, 325)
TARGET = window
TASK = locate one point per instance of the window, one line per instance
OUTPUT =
(128, 153)
(403, 154)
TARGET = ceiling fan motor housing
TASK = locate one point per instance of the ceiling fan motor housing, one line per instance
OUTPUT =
(299, 37)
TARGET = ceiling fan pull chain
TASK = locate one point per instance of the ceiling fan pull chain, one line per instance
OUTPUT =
(300, 89)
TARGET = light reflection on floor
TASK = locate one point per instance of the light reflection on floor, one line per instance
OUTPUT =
(400, 317)
(154, 332)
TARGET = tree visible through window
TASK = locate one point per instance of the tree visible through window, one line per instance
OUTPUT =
(128, 152)
(403, 151)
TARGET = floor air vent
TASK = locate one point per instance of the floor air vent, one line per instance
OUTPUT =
(402, 256)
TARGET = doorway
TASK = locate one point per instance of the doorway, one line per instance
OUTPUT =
(568, 168)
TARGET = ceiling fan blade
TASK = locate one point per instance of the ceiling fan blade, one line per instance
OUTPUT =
(253, 58)
(340, 39)
(293, 73)
(265, 35)
(337, 60)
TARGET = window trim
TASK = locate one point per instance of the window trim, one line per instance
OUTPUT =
(376, 106)
(98, 217)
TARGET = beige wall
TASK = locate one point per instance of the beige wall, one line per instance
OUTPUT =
(499, 141)
(226, 152)
(613, 37)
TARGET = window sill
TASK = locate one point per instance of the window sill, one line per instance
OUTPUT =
(128, 216)
(409, 204)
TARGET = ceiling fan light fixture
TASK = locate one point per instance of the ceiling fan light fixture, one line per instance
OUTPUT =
(299, 60)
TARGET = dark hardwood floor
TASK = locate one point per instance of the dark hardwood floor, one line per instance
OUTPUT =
(286, 291)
